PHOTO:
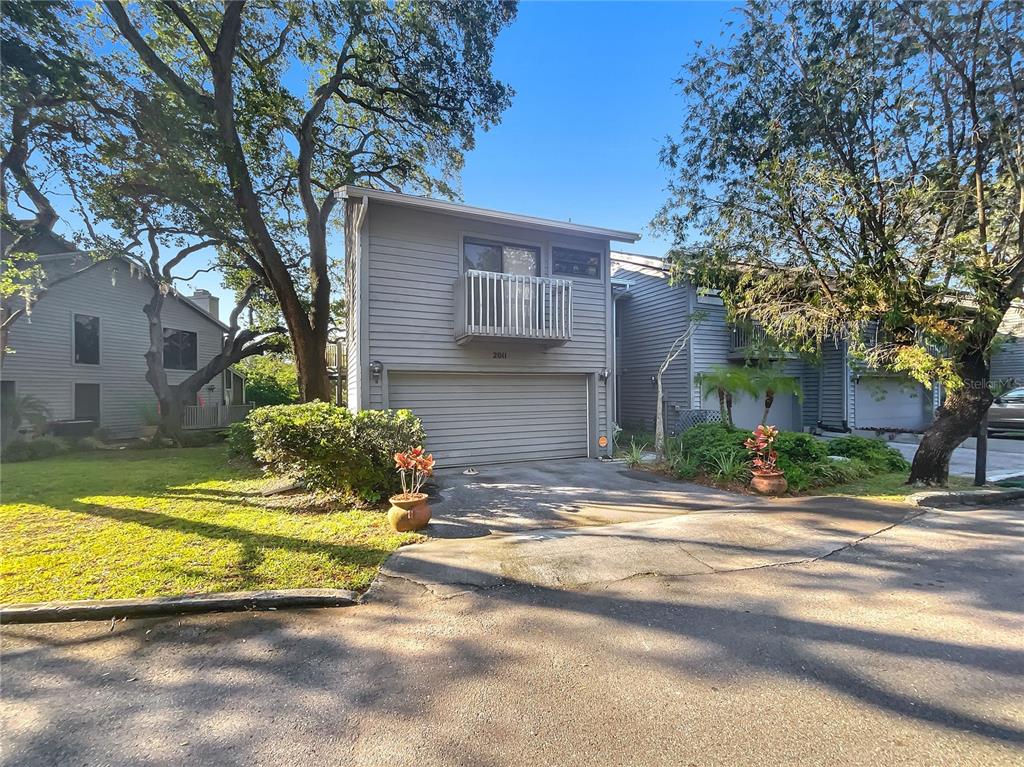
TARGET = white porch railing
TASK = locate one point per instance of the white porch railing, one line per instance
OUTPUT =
(213, 416)
(495, 305)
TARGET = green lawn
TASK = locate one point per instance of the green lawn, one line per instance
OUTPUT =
(107, 525)
(885, 487)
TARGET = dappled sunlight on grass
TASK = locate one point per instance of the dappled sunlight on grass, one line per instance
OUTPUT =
(161, 522)
(891, 486)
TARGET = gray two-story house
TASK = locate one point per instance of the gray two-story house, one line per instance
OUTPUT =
(80, 350)
(494, 328)
(650, 314)
(838, 394)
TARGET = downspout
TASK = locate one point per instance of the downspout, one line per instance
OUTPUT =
(356, 311)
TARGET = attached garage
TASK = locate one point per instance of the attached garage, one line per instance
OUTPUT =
(473, 418)
(884, 402)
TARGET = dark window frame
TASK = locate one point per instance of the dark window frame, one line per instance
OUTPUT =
(573, 274)
(74, 339)
(473, 240)
(178, 364)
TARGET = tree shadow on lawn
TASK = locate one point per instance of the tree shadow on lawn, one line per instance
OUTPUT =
(253, 544)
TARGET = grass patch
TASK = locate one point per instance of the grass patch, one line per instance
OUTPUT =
(891, 486)
(167, 522)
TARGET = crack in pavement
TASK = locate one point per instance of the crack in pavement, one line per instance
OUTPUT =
(449, 589)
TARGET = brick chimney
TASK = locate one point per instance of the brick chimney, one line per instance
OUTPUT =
(206, 301)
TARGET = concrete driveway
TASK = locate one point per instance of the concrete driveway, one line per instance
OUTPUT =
(568, 524)
(906, 649)
(564, 493)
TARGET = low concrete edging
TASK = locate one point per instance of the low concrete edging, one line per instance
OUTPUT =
(106, 609)
(944, 499)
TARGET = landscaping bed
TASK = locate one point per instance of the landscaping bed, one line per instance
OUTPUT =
(715, 454)
(137, 523)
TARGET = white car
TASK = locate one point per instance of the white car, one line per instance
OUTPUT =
(1007, 412)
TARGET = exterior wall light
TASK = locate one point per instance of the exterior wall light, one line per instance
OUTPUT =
(376, 370)
(604, 374)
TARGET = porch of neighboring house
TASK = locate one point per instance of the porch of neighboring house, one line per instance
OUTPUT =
(211, 415)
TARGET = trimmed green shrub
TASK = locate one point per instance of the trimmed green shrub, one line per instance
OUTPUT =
(813, 474)
(707, 440)
(33, 449)
(240, 440)
(800, 448)
(876, 454)
(331, 449)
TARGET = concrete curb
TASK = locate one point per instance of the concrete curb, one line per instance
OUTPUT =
(944, 499)
(105, 609)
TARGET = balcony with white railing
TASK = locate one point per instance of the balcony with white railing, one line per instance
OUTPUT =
(491, 305)
(752, 340)
(213, 416)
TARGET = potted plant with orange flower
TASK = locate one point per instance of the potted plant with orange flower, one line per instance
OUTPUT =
(766, 476)
(409, 509)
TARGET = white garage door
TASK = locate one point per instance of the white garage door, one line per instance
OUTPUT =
(473, 418)
(747, 411)
(890, 403)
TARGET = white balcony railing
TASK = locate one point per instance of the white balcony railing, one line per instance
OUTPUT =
(213, 416)
(513, 306)
(744, 336)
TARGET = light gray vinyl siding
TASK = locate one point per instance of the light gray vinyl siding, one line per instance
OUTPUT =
(833, 391)
(414, 259)
(42, 360)
(651, 316)
(810, 382)
(477, 418)
(710, 344)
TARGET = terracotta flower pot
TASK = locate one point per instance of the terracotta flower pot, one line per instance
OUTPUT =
(769, 484)
(409, 511)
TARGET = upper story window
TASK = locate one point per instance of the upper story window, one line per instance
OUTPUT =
(575, 263)
(490, 256)
(180, 349)
(87, 340)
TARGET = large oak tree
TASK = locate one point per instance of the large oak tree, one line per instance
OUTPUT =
(856, 171)
(276, 105)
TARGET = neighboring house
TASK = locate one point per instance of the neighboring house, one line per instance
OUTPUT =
(839, 395)
(81, 349)
(650, 315)
(494, 328)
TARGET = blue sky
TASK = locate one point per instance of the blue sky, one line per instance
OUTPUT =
(595, 99)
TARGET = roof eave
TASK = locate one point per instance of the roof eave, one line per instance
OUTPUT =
(484, 214)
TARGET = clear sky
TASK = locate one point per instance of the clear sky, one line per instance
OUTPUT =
(595, 99)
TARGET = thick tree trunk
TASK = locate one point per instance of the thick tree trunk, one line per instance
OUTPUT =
(955, 421)
(721, 406)
(311, 366)
(728, 408)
